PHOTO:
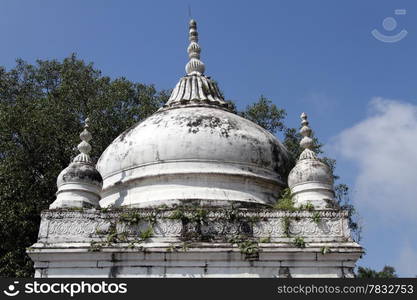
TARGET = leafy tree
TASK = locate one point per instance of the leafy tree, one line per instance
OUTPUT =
(386, 272)
(42, 108)
(265, 114)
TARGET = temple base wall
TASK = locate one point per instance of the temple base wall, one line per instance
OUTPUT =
(194, 243)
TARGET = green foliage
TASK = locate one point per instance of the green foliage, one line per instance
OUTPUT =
(179, 214)
(249, 247)
(316, 217)
(325, 250)
(308, 207)
(95, 247)
(196, 215)
(292, 139)
(343, 202)
(130, 217)
(42, 108)
(112, 235)
(146, 234)
(299, 242)
(386, 272)
(265, 114)
(265, 240)
(246, 245)
(286, 223)
(185, 246)
(285, 202)
(199, 215)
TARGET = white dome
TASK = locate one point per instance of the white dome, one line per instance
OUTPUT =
(310, 170)
(79, 184)
(311, 180)
(193, 150)
(193, 153)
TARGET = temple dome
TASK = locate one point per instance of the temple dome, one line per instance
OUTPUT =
(311, 180)
(193, 149)
(310, 170)
(193, 153)
(79, 184)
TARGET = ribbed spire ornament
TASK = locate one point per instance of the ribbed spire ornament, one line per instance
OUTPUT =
(79, 184)
(307, 143)
(84, 147)
(311, 180)
(195, 65)
(195, 89)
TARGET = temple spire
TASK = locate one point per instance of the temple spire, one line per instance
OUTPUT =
(84, 147)
(79, 184)
(311, 179)
(307, 143)
(194, 65)
(195, 89)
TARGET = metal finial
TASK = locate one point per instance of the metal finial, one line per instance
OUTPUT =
(84, 147)
(194, 65)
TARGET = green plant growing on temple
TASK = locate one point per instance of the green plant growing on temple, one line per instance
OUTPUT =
(112, 236)
(199, 215)
(308, 206)
(285, 202)
(146, 234)
(248, 247)
(299, 242)
(179, 214)
(185, 246)
(265, 240)
(245, 244)
(286, 223)
(95, 246)
(316, 217)
(130, 217)
(325, 250)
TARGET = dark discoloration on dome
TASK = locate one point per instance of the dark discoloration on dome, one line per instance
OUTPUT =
(81, 172)
(199, 141)
(310, 170)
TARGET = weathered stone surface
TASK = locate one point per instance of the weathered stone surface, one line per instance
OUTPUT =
(217, 176)
(79, 184)
(194, 243)
(191, 153)
(311, 180)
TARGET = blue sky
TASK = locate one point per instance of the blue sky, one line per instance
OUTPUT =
(314, 56)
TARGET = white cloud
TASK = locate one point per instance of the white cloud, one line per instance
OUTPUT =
(384, 147)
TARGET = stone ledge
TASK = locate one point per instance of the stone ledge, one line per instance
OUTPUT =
(194, 242)
(170, 225)
(225, 262)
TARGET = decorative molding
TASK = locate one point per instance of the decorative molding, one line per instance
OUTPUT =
(77, 225)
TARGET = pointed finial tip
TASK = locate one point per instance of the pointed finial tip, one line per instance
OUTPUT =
(84, 147)
(304, 122)
(194, 65)
(306, 142)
